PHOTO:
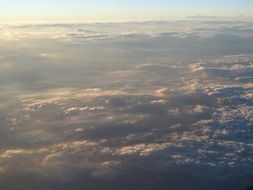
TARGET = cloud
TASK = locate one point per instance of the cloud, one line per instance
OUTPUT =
(141, 149)
(183, 125)
(84, 112)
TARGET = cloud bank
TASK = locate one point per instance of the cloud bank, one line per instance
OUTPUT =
(75, 118)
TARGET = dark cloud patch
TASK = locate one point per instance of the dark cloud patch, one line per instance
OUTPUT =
(133, 178)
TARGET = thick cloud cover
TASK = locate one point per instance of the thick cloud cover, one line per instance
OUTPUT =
(94, 106)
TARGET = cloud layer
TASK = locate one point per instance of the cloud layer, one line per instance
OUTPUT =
(74, 118)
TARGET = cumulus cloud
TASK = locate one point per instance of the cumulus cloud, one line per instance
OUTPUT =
(185, 126)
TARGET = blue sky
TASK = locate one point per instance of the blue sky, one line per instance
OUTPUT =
(120, 9)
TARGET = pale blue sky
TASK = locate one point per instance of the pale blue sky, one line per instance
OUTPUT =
(120, 9)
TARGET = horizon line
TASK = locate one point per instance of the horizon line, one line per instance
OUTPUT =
(85, 21)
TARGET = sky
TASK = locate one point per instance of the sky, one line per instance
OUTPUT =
(108, 10)
(126, 105)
